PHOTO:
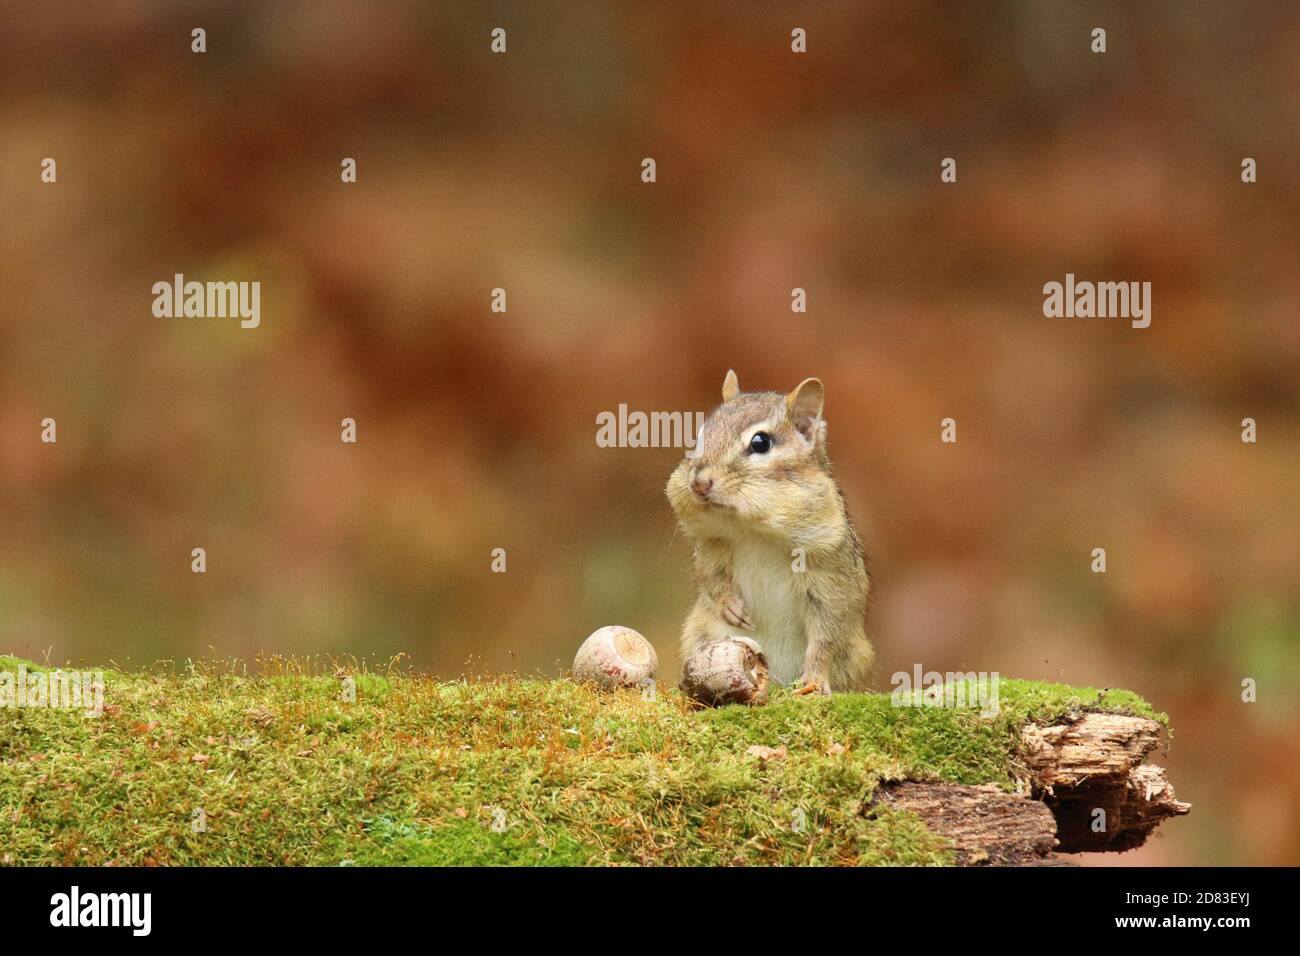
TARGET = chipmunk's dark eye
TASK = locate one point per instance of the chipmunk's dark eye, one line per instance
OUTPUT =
(761, 443)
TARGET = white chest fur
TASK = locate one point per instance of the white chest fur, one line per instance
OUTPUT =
(774, 594)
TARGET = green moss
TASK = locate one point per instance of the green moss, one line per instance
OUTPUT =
(205, 765)
(464, 843)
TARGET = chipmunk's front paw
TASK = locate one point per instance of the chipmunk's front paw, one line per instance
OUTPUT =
(812, 684)
(735, 613)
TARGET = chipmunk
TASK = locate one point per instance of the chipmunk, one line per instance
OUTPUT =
(776, 557)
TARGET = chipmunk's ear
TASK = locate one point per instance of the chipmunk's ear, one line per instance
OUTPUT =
(730, 386)
(805, 407)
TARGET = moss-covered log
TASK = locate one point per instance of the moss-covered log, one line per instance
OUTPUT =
(325, 764)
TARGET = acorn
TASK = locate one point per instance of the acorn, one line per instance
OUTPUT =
(613, 657)
(731, 671)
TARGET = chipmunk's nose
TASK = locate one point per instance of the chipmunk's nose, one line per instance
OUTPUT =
(701, 484)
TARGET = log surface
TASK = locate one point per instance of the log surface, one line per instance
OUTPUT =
(985, 824)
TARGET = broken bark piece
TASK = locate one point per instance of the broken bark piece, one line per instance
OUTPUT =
(986, 825)
(1096, 746)
(1092, 773)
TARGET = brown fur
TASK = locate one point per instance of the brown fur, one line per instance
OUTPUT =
(759, 509)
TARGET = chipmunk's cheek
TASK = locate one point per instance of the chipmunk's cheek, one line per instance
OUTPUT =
(759, 502)
(728, 500)
(679, 494)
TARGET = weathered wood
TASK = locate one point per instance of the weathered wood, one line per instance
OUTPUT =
(1094, 747)
(1092, 773)
(985, 824)
(1072, 770)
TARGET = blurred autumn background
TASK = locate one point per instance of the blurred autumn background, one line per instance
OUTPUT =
(476, 430)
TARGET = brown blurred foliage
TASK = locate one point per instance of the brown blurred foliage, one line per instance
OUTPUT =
(775, 171)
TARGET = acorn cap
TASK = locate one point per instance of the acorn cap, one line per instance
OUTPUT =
(731, 671)
(615, 656)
